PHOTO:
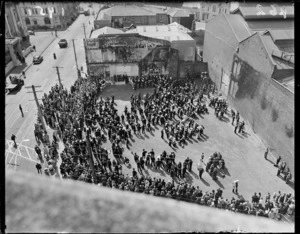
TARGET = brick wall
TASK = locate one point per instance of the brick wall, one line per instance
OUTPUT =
(263, 102)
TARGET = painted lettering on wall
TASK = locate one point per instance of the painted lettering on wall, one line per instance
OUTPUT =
(42, 12)
(282, 10)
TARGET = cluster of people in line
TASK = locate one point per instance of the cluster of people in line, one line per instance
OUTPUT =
(82, 119)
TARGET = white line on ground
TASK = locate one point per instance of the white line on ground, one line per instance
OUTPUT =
(28, 153)
(10, 159)
(15, 166)
(24, 157)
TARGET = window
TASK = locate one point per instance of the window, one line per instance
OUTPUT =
(25, 11)
(220, 11)
(27, 20)
(46, 11)
(35, 21)
(47, 20)
(54, 10)
(214, 8)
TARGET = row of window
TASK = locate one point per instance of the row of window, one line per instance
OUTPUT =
(36, 11)
(214, 9)
(46, 20)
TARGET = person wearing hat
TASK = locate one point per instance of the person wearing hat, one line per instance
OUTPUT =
(39, 167)
(13, 138)
(235, 186)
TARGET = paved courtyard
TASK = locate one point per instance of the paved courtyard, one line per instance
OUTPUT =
(243, 154)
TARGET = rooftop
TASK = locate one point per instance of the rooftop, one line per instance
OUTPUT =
(273, 24)
(105, 30)
(175, 12)
(265, 10)
(127, 10)
(171, 32)
(238, 26)
(284, 34)
(288, 83)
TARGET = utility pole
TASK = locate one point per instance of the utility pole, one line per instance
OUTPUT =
(38, 106)
(83, 25)
(57, 69)
(91, 156)
(75, 56)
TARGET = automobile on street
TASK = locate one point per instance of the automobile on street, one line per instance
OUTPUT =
(37, 59)
(63, 43)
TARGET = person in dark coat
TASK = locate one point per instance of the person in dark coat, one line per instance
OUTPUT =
(39, 168)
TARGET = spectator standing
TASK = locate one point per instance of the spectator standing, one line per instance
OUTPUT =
(13, 138)
(23, 73)
(34, 48)
(235, 186)
(39, 168)
(201, 170)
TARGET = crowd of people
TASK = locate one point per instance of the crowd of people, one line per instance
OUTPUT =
(84, 122)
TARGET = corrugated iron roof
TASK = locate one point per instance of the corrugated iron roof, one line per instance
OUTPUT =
(105, 30)
(254, 10)
(160, 28)
(238, 26)
(128, 10)
(265, 24)
(278, 35)
(180, 13)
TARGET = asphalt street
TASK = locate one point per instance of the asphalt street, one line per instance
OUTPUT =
(43, 76)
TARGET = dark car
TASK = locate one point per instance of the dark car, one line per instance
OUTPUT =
(37, 59)
(63, 43)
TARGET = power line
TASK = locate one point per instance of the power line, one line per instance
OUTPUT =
(58, 75)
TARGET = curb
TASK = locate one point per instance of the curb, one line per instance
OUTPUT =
(41, 52)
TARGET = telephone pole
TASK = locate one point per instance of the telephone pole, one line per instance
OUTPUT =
(83, 25)
(38, 106)
(75, 57)
(57, 69)
(91, 157)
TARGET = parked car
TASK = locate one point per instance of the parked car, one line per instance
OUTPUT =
(31, 32)
(37, 59)
(63, 43)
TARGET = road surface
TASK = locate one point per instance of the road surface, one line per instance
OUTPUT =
(43, 76)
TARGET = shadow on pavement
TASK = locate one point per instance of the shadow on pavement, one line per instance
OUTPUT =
(219, 183)
(204, 182)
(18, 70)
(224, 119)
(270, 161)
(225, 171)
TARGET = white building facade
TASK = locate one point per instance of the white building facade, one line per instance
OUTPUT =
(43, 15)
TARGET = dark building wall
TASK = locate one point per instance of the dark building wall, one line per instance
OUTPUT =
(192, 67)
(263, 102)
(219, 47)
(187, 21)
